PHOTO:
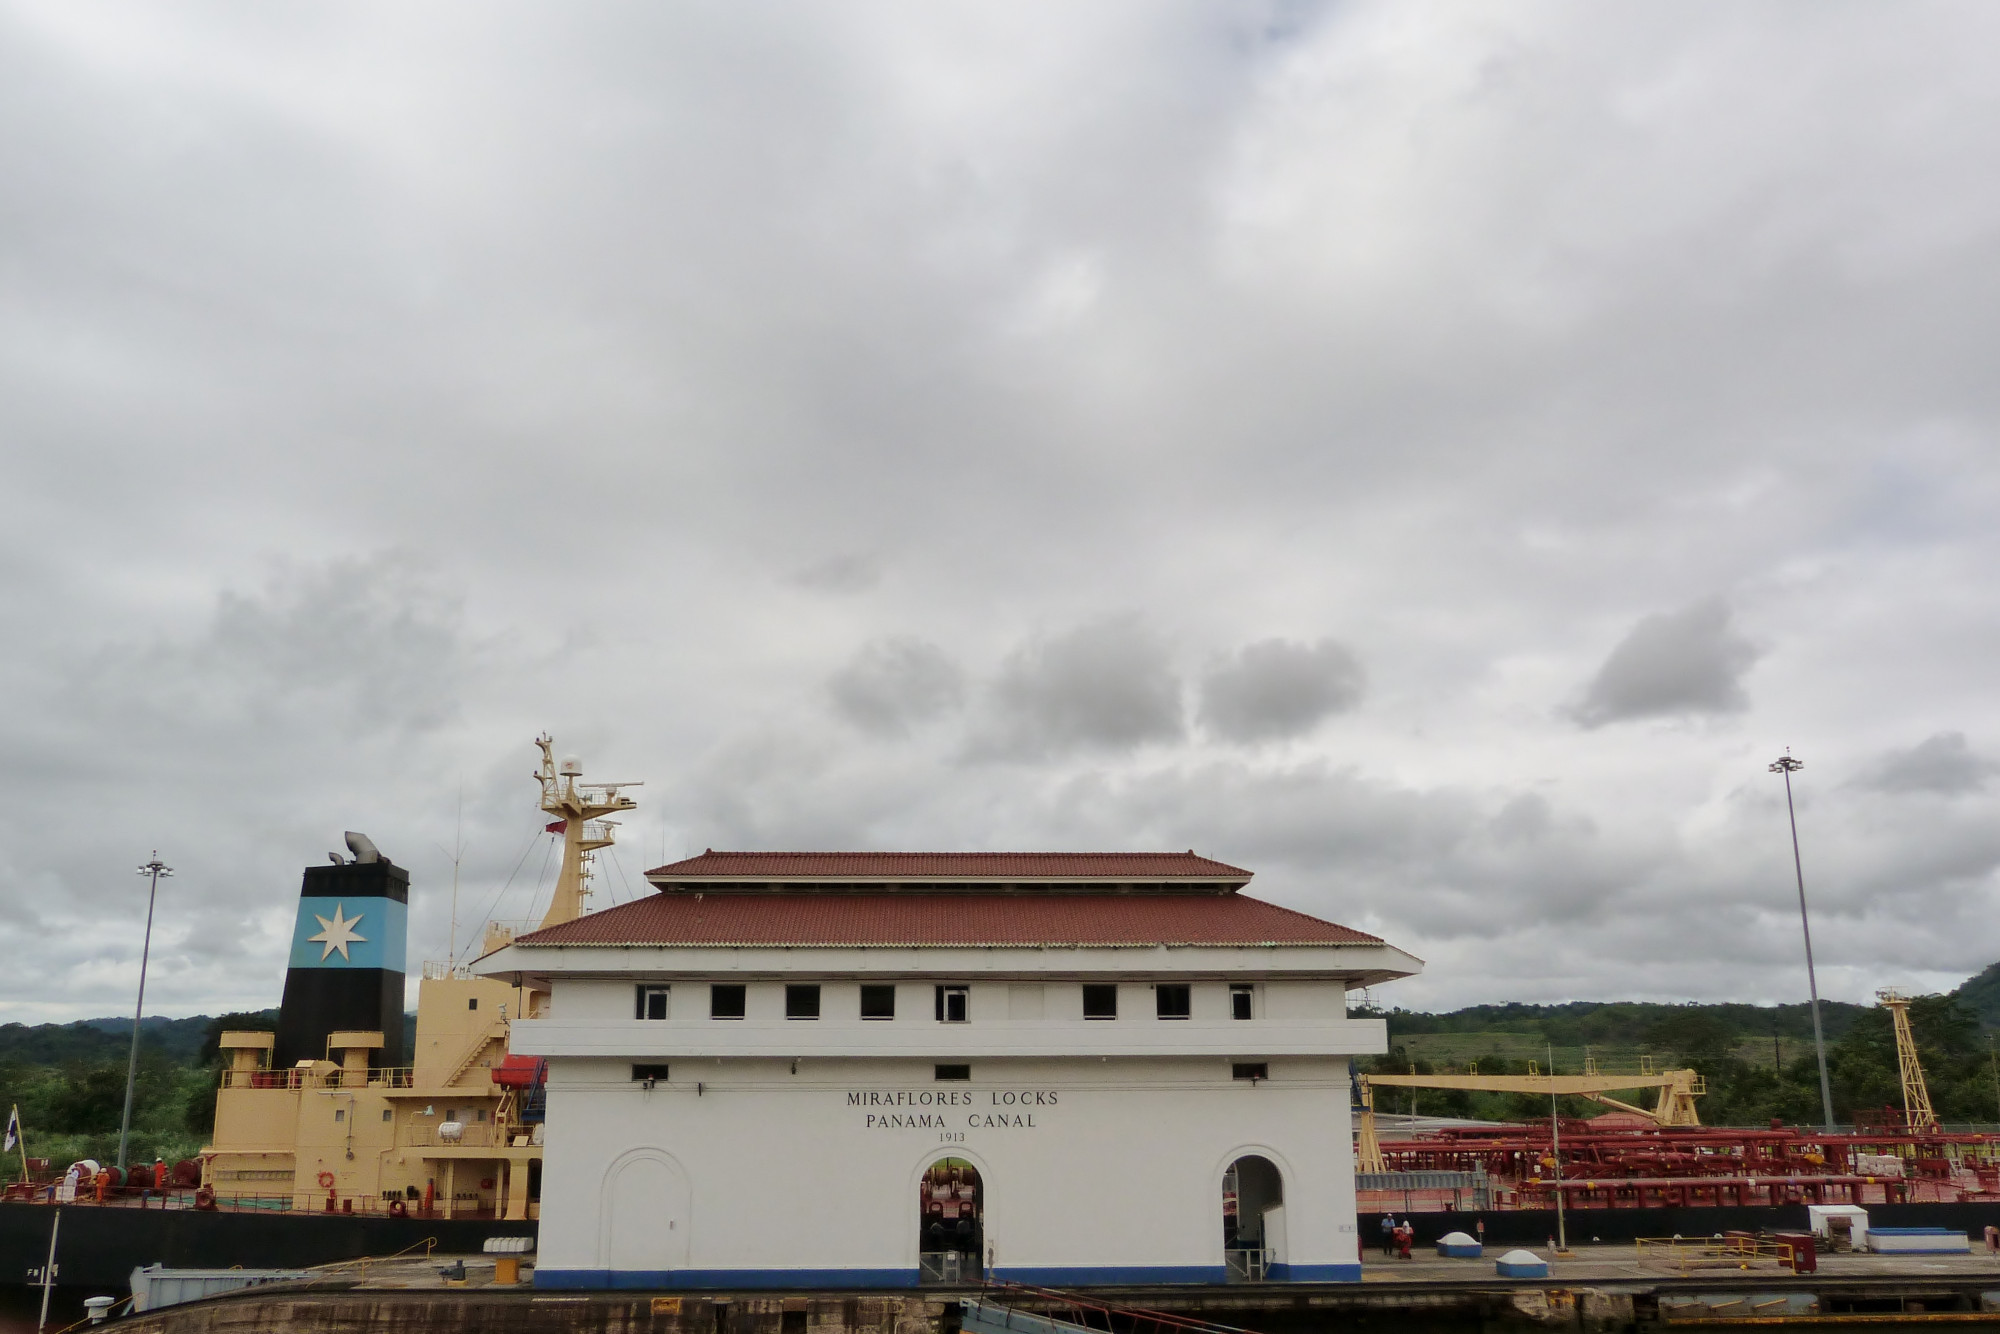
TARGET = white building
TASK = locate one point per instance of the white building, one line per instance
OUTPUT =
(866, 1070)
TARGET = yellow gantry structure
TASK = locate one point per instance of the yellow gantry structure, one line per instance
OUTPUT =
(1674, 1107)
(1917, 1113)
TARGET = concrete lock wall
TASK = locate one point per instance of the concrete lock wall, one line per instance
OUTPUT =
(743, 1172)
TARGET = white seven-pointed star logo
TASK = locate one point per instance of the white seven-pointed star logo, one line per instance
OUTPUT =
(339, 934)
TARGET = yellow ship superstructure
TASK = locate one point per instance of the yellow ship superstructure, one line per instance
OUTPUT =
(440, 1135)
(438, 1132)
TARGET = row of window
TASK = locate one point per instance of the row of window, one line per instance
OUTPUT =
(726, 1000)
(651, 1074)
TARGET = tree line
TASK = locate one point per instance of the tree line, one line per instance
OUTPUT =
(68, 1080)
(1726, 1045)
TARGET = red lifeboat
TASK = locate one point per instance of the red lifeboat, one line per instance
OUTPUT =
(520, 1072)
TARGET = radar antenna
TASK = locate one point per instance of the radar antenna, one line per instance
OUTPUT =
(581, 808)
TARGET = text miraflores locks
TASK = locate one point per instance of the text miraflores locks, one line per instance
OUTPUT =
(952, 1098)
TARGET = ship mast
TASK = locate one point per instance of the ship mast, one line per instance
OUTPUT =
(581, 807)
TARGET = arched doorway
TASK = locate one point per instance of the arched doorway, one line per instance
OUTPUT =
(951, 1206)
(645, 1213)
(1253, 1218)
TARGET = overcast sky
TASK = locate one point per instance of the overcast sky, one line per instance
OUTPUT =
(1433, 456)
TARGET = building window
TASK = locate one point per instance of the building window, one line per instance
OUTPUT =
(725, 1000)
(1240, 1002)
(653, 1002)
(1100, 1001)
(472, 1002)
(340, 1113)
(802, 1000)
(1250, 1070)
(388, 1114)
(954, 1072)
(954, 1005)
(649, 1073)
(480, 1115)
(878, 1001)
(1170, 1000)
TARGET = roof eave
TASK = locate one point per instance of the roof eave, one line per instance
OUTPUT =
(661, 876)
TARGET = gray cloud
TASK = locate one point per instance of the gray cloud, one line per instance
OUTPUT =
(354, 652)
(1278, 688)
(1942, 763)
(850, 572)
(672, 354)
(1106, 686)
(894, 685)
(1672, 664)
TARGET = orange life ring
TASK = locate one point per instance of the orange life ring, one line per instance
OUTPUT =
(326, 1181)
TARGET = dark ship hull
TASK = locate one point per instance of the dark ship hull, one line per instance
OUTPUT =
(100, 1246)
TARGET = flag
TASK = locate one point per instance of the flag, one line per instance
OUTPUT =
(13, 1130)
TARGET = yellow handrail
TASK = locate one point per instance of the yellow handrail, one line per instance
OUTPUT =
(1716, 1252)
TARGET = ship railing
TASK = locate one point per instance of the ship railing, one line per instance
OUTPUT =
(395, 1077)
(269, 1079)
(444, 970)
(499, 932)
(477, 1135)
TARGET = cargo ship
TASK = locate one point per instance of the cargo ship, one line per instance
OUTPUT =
(331, 1139)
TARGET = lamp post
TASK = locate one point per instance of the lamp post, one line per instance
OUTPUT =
(154, 869)
(1788, 766)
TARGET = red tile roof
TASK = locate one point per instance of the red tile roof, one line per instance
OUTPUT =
(952, 919)
(885, 867)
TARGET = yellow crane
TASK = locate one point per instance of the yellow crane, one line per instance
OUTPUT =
(1674, 1107)
(1917, 1113)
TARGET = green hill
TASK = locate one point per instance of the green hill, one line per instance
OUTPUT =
(1981, 995)
(68, 1080)
(1758, 1059)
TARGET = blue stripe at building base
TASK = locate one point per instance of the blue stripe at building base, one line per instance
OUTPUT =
(1315, 1273)
(1063, 1276)
(1099, 1276)
(671, 1280)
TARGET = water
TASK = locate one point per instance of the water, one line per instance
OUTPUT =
(20, 1306)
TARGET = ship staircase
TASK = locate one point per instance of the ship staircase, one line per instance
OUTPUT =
(494, 1032)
